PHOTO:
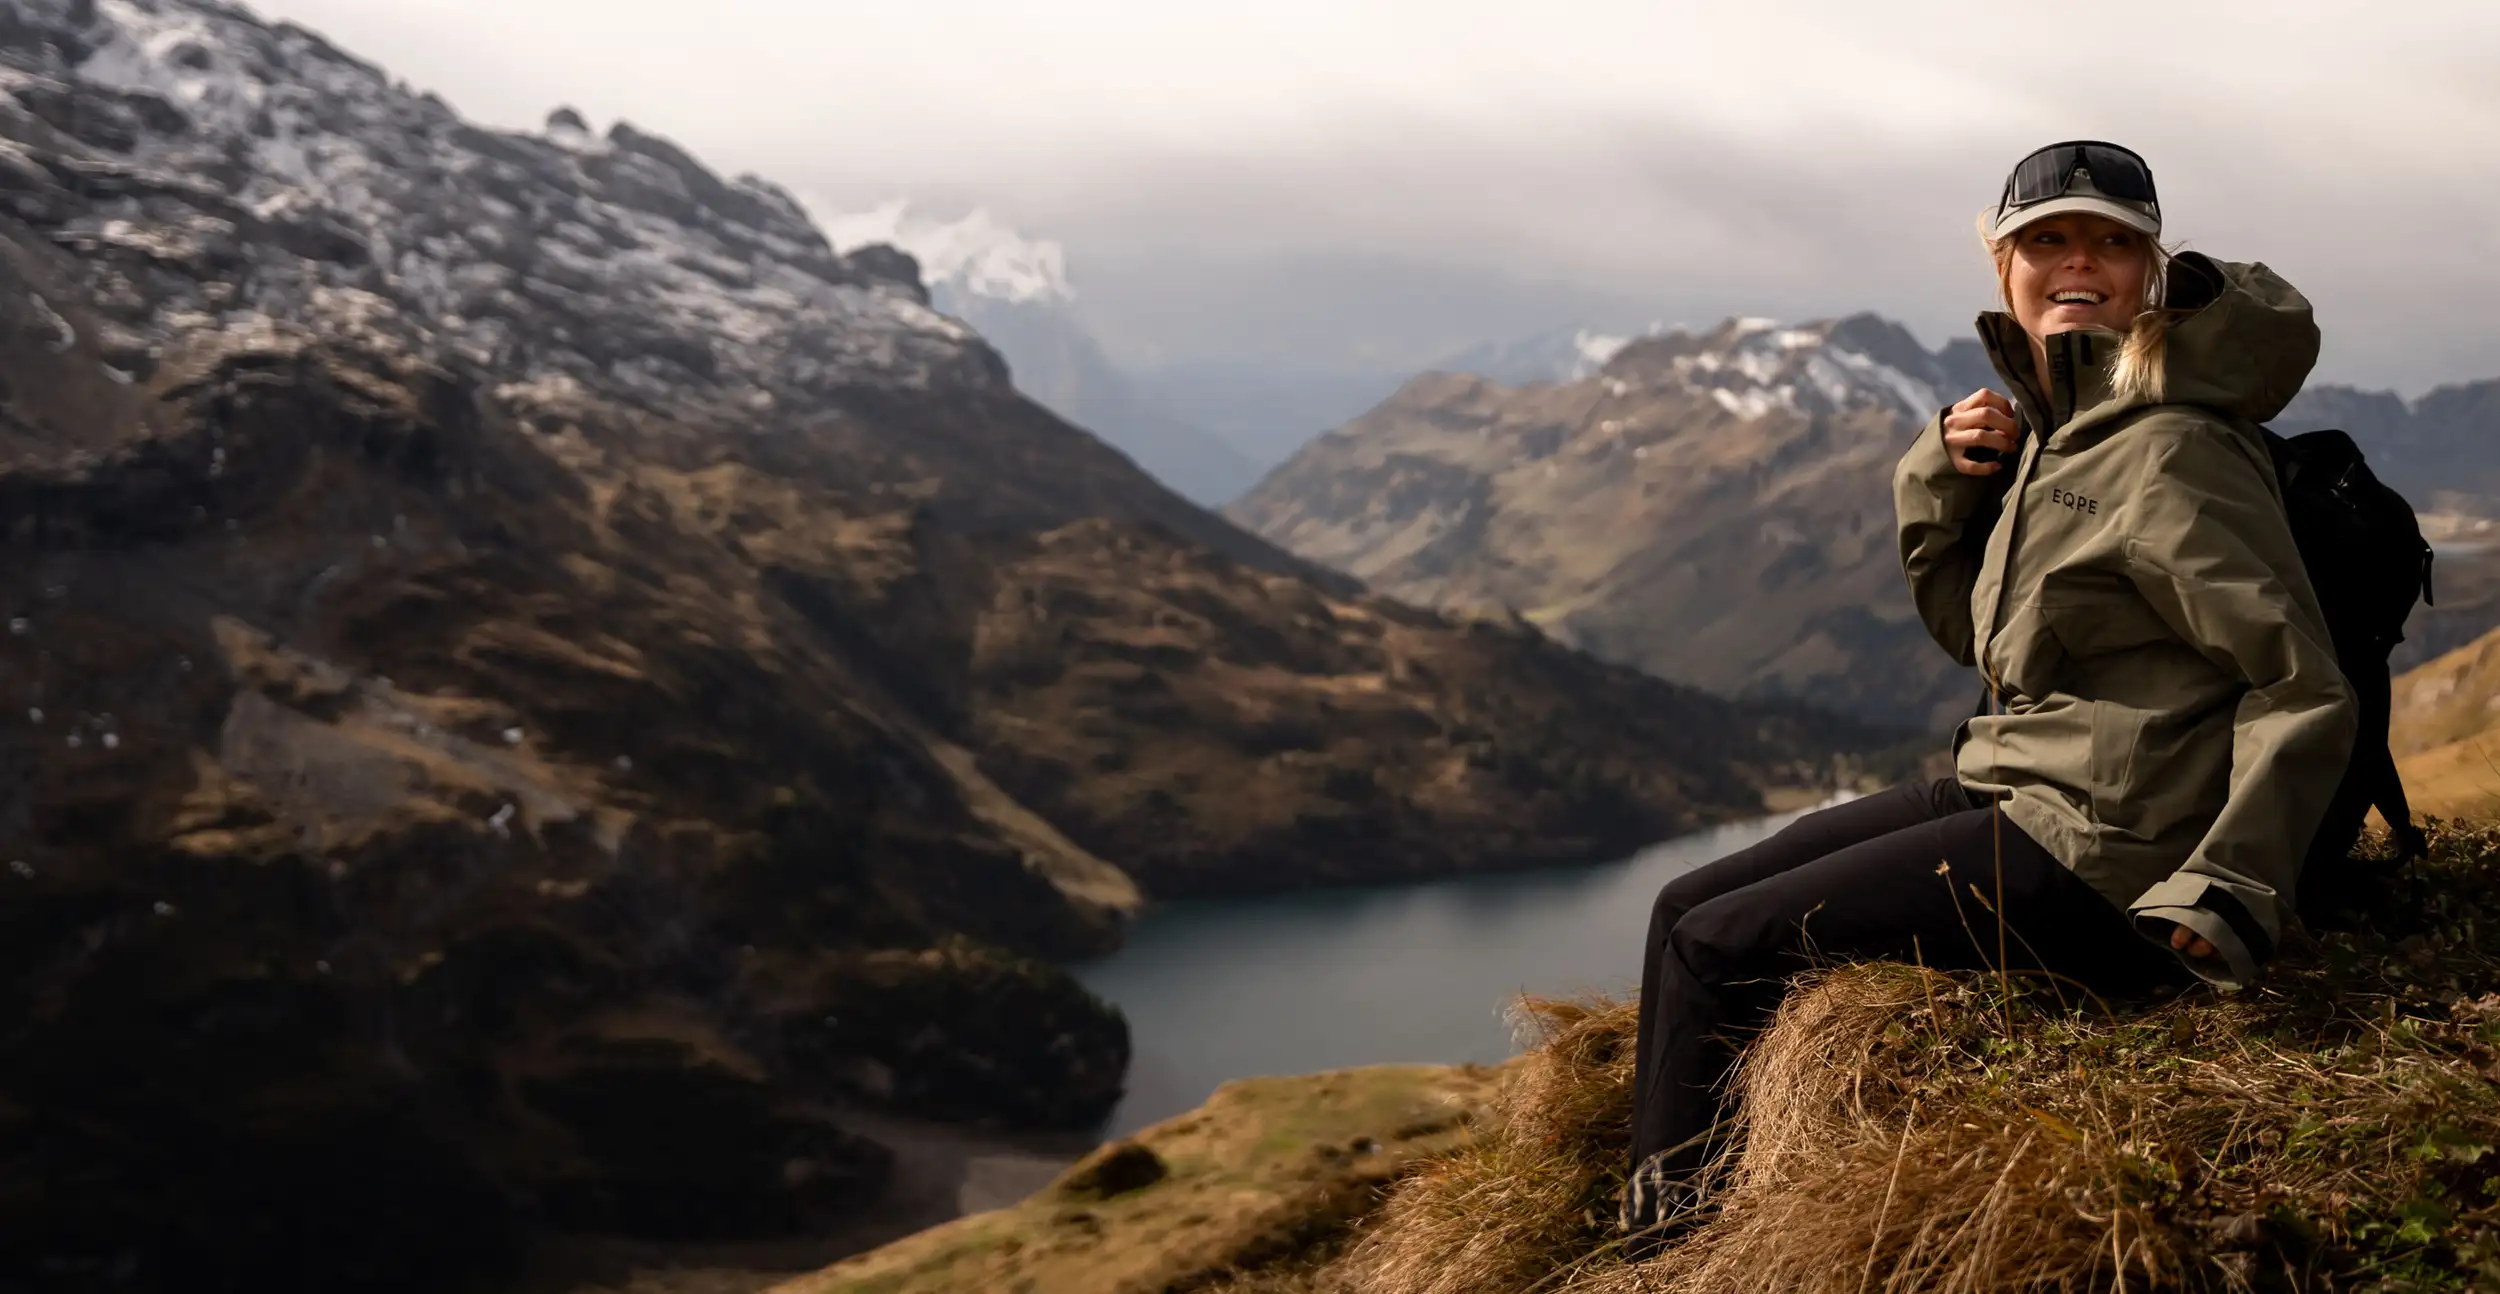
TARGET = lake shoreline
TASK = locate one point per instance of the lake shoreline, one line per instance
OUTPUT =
(1218, 988)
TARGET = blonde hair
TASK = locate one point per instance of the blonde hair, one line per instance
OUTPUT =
(2138, 373)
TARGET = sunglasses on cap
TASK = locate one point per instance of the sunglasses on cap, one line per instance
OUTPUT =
(2048, 173)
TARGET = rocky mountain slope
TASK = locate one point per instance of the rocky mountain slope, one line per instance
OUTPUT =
(1713, 508)
(531, 684)
(1716, 509)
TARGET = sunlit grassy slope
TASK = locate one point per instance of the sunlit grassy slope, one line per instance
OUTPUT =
(1269, 1169)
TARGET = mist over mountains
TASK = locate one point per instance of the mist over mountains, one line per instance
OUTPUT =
(1051, 358)
(1207, 430)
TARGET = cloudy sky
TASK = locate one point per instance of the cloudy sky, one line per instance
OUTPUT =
(1332, 183)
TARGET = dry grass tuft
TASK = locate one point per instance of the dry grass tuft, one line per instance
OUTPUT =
(1912, 1131)
(1493, 1216)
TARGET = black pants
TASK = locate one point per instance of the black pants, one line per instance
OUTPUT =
(1878, 877)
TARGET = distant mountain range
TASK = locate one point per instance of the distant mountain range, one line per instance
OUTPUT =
(1715, 507)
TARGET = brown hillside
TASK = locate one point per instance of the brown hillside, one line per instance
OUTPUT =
(2445, 731)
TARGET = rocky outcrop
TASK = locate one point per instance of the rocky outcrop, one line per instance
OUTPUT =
(531, 685)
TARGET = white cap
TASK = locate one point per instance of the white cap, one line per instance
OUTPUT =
(2080, 195)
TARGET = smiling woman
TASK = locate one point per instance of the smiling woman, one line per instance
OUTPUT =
(2167, 719)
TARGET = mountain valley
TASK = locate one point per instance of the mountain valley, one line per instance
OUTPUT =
(533, 683)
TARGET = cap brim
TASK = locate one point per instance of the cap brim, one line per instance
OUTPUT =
(2135, 218)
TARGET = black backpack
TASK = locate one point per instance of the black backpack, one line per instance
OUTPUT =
(2367, 560)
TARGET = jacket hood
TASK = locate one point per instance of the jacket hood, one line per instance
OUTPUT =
(2243, 348)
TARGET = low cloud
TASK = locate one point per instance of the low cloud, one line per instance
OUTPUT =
(1309, 182)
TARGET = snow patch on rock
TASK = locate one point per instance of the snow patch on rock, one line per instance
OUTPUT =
(977, 252)
(1594, 350)
(1823, 367)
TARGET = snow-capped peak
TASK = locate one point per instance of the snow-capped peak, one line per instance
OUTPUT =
(1565, 354)
(1594, 349)
(1751, 366)
(977, 252)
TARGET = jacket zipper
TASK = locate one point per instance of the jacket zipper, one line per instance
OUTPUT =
(2062, 369)
(2063, 364)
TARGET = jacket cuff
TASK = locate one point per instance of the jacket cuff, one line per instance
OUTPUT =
(2231, 966)
(1954, 495)
(2208, 908)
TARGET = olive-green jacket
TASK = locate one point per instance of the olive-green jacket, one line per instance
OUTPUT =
(2172, 719)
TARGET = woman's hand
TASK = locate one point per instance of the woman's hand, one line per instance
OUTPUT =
(2187, 941)
(1981, 420)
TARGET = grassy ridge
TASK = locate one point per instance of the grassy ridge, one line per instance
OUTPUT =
(1268, 1170)
(2333, 1129)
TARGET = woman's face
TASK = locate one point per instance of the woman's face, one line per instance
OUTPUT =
(2077, 271)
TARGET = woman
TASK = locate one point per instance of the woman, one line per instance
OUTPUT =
(2166, 724)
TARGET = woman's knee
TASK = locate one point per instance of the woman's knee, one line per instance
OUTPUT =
(1728, 938)
(1689, 891)
(1801, 842)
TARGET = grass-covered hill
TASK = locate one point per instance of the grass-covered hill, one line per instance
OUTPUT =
(2331, 1129)
(2445, 730)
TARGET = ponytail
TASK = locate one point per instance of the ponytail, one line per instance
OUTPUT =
(2138, 373)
